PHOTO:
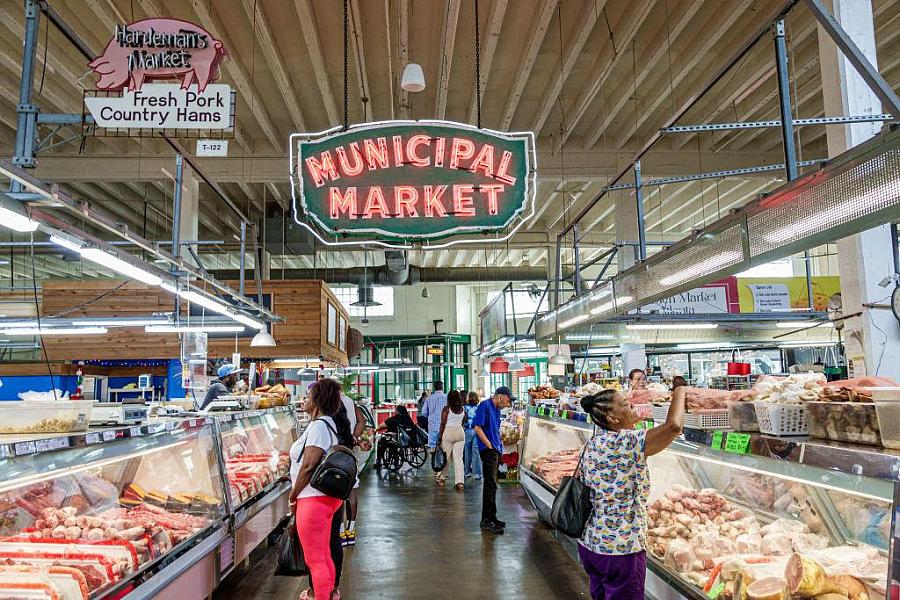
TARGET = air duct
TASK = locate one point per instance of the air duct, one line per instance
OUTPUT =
(365, 293)
(416, 274)
(396, 268)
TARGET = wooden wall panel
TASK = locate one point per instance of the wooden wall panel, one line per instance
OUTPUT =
(302, 303)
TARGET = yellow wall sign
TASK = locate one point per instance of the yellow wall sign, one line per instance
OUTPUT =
(777, 294)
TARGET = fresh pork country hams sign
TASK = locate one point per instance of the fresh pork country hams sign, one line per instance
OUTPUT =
(408, 181)
(151, 51)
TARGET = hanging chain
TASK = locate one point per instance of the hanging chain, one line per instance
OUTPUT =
(346, 67)
(477, 68)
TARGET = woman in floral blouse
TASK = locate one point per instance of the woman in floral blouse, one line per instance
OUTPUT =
(614, 466)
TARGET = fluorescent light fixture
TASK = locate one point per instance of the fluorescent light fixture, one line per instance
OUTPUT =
(120, 266)
(706, 346)
(528, 354)
(704, 267)
(803, 324)
(194, 328)
(54, 331)
(392, 361)
(838, 213)
(361, 368)
(17, 324)
(67, 243)
(407, 369)
(16, 221)
(574, 320)
(685, 325)
(586, 337)
(602, 351)
(119, 322)
(806, 344)
(213, 305)
(242, 318)
(610, 305)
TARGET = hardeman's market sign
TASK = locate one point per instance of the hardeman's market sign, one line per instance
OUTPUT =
(412, 180)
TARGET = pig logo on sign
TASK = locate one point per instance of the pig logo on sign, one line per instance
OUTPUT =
(158, 49)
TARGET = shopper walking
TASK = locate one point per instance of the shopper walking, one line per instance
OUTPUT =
(351, 506)
(487, 430)
(431, 409)
(452, 439)
(314, 510)
(471, 459)
(614, 466)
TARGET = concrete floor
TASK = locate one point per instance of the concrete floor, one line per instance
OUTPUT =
(416, 540)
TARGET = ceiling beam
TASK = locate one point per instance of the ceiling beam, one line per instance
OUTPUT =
(495, 24)
(314, 50)
(523, 73)
(274, 62)
(359, 53)
(603, 66)
(543, 200)
(448, 42)
(236, 73)
(587, 18)
(745, 195)
(403, 53)
(658, 53)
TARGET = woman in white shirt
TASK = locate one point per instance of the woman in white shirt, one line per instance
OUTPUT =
(452, 438)
(314, 510)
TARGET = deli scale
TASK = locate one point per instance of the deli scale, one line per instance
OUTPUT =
(127, 412)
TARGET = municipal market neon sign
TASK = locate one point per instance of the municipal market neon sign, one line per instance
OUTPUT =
(396, 183)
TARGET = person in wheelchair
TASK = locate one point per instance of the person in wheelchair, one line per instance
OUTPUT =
(391, 432)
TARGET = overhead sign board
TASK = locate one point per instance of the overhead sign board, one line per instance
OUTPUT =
(164, 106)
(703, 300)
(153, 49)
(408, 181)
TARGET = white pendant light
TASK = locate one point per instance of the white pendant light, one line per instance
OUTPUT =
(263, 339)
(413, 79)
(515, 364)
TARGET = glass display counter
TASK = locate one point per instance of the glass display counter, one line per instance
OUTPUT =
(747, 516)
(96, 514)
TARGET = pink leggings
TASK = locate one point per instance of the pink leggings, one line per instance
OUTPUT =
(314, 516)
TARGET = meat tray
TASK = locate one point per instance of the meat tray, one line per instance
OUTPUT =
(854, 422)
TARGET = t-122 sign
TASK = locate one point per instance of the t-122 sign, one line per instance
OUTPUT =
(408, 181)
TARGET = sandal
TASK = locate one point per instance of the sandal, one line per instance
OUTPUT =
(459, 487)
(305, 595)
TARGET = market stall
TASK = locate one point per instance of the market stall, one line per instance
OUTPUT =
(744, 515)
(160, 510)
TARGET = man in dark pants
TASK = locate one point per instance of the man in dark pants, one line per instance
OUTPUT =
(487, 429)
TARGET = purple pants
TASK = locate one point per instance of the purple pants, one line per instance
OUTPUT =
(615, 576)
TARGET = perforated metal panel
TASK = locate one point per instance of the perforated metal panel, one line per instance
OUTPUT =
(854, 192)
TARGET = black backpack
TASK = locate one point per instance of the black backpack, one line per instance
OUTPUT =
(336, 473)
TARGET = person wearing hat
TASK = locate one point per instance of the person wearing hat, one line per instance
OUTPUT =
(223, 385)
(490, 447)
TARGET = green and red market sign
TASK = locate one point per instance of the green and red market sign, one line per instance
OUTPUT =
(401, 182)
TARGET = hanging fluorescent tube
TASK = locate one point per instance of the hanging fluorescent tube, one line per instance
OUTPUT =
(803, 324)
(54, 331)
(120, 266)
(706, 346)
(194, 328)
(67, 243)
(18, 324)
(805, 344)
(214, 305)
(16, 221)
(407, 369)
(249, 322)
(119, 322)
(685, 325)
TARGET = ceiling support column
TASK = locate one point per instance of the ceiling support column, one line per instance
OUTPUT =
(872, 341)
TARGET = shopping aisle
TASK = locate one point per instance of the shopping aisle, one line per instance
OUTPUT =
(420, 541)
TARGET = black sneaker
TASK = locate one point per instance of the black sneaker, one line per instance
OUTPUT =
(501, 524)
(492, 528)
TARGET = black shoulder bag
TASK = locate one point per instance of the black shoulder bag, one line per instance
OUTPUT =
(572, 506)
(336, 473)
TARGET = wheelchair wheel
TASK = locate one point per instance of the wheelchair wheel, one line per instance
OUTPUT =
(416, 456)
(393, 459)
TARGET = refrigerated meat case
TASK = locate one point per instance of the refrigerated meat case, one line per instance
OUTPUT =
(140, 511)
(833, 503)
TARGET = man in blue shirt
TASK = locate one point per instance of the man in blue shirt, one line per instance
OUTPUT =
(432, 409)
(487, 430)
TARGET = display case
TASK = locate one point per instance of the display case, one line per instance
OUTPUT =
(747, 515)
(98, 513)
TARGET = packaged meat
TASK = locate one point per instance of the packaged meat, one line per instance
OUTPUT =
(743, 416)
(770, 588)
(853, 422)
(785, 526)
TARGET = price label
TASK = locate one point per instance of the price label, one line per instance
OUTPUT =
(134, 431)
(23, 448)
(5, 451)
(59, 443)
(716, 591)
(92, 438)
(716, 441)
(44, 445)
(193, 422)
(109, 435)
(737, 443)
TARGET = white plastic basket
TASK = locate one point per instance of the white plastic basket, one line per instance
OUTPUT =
(781, 419)
(660, 412)
(713, 418)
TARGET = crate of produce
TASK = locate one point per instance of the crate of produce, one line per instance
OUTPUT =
(39, 416)
(781, 419)
(711, 418)
(854, 422)
(743, 416)
(887, 411)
